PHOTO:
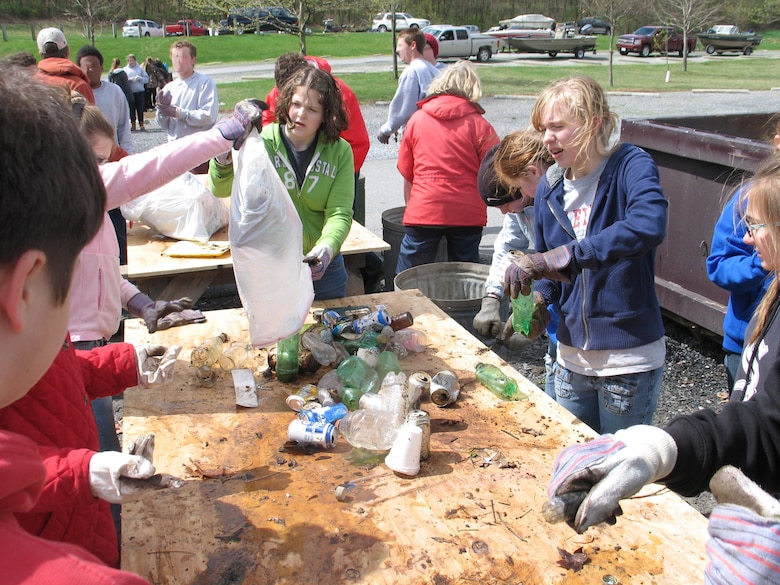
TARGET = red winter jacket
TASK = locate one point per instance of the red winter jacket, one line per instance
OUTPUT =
(66, 74)
(443, 145)
(356, 133)
(57, 415)
(26, 559)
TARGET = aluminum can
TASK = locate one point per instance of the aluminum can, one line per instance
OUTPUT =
(329, 414)
(419, 384)
(379, 317)
(423, 420)
(444, 388)
(317, 434)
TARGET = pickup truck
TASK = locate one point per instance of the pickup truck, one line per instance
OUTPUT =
(459, 42)
(186, 27)
(655, 39)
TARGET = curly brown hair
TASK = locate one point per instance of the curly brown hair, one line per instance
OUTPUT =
(334, 118)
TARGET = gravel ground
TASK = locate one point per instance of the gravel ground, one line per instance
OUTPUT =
(694, 377)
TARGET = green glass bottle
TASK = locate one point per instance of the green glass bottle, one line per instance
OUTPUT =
(287, 358)
(499, 383)
(386, 363)
(523, 312)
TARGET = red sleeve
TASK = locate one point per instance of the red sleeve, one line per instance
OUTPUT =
(108, 370)
(67, 479)
(356, 134)
(269, 115)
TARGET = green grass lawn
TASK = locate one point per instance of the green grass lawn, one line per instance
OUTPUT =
(498, 79)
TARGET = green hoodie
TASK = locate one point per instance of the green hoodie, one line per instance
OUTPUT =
(324, 203)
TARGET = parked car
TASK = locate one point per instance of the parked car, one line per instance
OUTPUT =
(383, 21)
(252, 19)
(655, 39)
(459, 42)
(598, 26)
(186, 27)
(137, 27)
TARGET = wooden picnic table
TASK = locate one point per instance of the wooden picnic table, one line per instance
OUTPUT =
(164, 277)
(250, 513)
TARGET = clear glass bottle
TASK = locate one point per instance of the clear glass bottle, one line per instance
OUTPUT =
(369, 429)
(235, 357)
(499, 383)
(208, 352)
(287, 358)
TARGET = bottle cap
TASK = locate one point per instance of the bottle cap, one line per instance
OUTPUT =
(404, 455)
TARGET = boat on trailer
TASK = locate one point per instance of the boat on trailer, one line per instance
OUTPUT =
(727, 38)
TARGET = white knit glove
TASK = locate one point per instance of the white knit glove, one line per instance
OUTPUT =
(106, 470)
(155, 363)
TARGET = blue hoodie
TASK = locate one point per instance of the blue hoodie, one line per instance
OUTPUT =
(735, 266)
(610, 302)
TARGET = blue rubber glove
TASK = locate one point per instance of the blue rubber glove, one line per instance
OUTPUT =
(743, 547)
(319, 258)
(246, 115)
(609, 469)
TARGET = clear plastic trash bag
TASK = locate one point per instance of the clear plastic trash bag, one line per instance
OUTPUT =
(266, 240)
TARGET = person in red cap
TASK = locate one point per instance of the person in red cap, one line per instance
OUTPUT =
(431, 51)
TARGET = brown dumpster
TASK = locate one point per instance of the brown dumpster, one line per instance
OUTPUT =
(700, 160)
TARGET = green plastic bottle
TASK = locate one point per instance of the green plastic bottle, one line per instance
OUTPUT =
(523, 312)
(499, 383)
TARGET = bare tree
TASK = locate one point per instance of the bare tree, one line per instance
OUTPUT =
(689, 16)
(617, 13)
(93, 14)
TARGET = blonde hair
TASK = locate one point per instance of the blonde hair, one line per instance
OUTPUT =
(582, 99)
(516, 152)
(763, 197)
(458, 79)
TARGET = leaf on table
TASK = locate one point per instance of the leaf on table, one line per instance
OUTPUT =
(573, 561)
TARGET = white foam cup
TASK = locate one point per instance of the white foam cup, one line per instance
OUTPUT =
(404, 455)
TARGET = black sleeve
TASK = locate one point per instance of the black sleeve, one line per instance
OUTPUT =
(745, 435)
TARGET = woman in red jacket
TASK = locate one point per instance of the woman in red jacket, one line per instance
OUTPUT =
(443, 145)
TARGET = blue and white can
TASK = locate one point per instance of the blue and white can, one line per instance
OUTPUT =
(317, 434)
(328, 414)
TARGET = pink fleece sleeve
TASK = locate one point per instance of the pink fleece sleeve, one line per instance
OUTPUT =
(138, 174)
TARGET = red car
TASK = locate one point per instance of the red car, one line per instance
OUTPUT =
(186, 27)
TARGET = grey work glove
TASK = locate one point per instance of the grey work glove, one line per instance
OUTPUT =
(155, 363)
(744, 529)
(609, 469)
(488, 322)
(164, 98)
(106, 470)
(246, 115)
(160, 309)
(382, 137)
(319, 258)
(525, 268)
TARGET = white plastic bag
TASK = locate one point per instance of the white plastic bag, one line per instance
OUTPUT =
(266, 240)
(183, 209)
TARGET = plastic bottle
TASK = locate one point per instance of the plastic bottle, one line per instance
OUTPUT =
(499, 383)
(357, 374)
(369, 429)
(322, 351)
(208, 352)
(523, 312)
(287, 358)
(387, 362)
(396, 390)
(235, 357)
(412, 339)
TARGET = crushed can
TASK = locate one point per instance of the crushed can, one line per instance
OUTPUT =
(444, 388)
(379, 317)
(316, 434)
(419, 385)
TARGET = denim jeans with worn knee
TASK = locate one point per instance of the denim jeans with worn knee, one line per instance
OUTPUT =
(607, 404)
(549, 368)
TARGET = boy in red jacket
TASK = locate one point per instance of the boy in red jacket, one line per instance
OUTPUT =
(52, 205)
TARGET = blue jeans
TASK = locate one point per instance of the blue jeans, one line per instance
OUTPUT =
(549, 368)
(731, 361)
(333, 284)
(420, 244)
(607, 404)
